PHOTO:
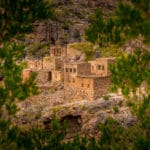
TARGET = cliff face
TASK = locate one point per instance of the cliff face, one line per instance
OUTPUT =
(72, 17)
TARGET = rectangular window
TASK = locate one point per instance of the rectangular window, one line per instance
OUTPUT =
(88, 85)
(99, 67)
(73, 80)
(92, 67)
(70, 69)
(102, 67)
(66, 69)
(74, 70)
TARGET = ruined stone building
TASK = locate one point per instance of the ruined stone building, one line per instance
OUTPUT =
(50, 68)
(87, 80)
(82, 80)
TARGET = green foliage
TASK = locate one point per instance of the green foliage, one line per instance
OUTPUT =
(95, 32)
(85, 47)
(129, 73)
(12, 90)
(90, 50)
(106, 97)
(115, 108)
(34, 138)
(131, 78)
(13, 87)
(129, 20)
(17, 17)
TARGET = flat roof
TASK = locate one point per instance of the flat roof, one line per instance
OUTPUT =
(76, 63)
(103, 58)
(91, 76)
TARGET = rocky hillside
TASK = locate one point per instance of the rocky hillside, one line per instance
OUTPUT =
(72, 17)
(82, 116)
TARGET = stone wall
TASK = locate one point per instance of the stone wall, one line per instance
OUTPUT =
(58, 51)
(84, 69)
(48, 63)
(72, 70)
(89, 88)
(57, 76)
(59, 63)
(70, 73)
(100, 67)
(26, 73)
(35, 64)
(101, 86)
(77, 94)
(43, 76)
(85, 86)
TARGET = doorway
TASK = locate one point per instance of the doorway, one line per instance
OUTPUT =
(49, 77)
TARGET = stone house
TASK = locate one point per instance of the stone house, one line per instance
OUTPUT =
(87, 80)
(82, 80)
(72, 70)
(100, 66)
(50, 68)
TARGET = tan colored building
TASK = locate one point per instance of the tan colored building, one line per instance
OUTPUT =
(72, 70)
(82, 80)
(35, 64)
(100, 67)
(87, 80)
(50, 68)
(58, 51)
(26, 74)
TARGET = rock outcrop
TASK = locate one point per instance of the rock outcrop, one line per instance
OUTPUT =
(72, 18)
(82, 116)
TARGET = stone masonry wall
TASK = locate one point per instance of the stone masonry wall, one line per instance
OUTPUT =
(57, 76)
(26, 73)
(101, 86)
(35, 64)
(84, 69)
(80, 88)
(100, 67)
(43, 76)
(48, 63)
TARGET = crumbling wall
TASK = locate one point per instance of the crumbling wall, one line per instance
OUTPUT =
(43, 76)
(48, 63)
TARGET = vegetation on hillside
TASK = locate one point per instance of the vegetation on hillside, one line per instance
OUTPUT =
(91, 49)
(131, 18)
(130, 73)
(18, 17)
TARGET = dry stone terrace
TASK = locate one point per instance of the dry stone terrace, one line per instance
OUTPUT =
(81, 80)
